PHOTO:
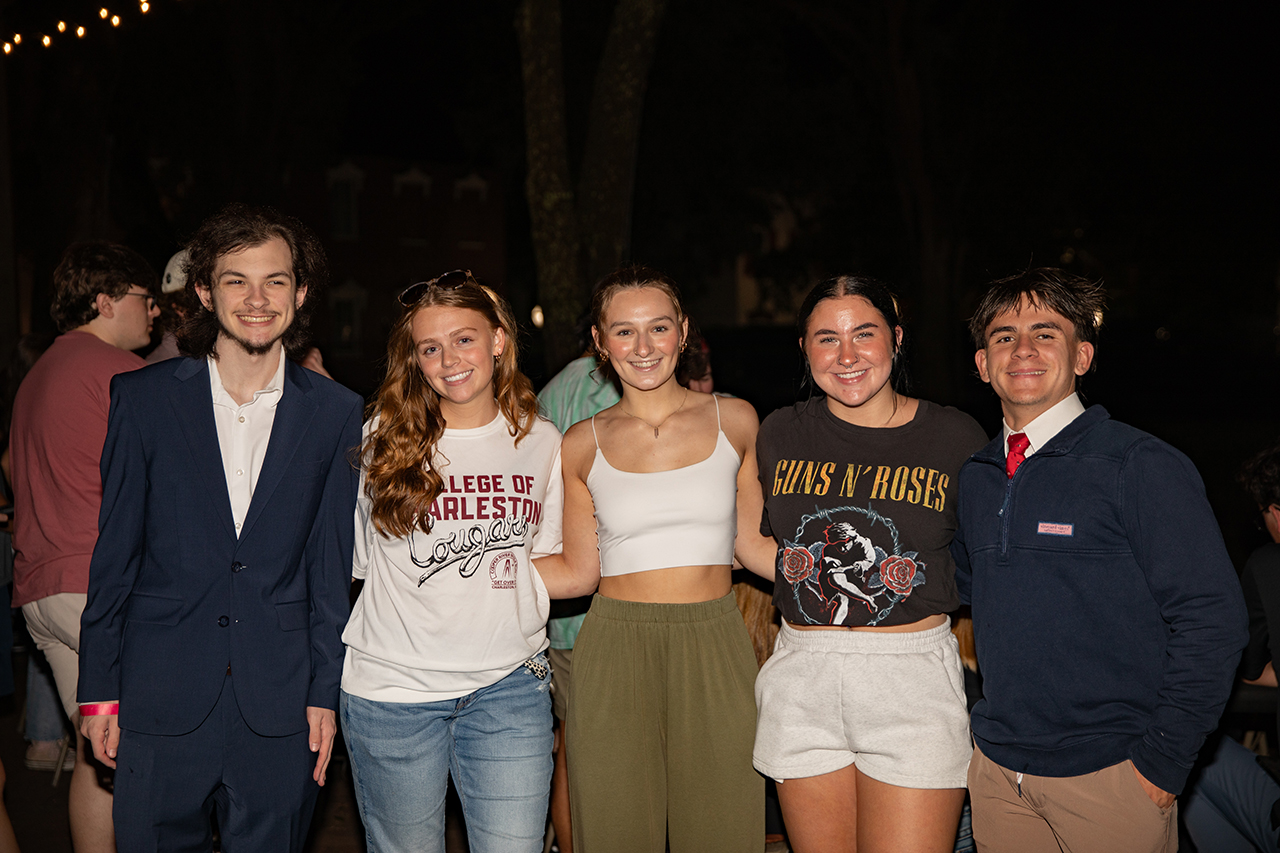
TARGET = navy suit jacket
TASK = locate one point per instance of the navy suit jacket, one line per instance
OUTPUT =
(175, 597)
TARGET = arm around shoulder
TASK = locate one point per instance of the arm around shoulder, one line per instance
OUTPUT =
(576, 570)
(755, 551)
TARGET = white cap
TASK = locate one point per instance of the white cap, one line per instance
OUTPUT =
(175, 277)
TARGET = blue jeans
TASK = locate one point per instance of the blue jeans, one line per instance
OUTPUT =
(495, 742)
(45, 717)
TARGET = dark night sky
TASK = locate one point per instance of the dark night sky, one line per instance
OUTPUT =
(1148, 128)
(1139, 138)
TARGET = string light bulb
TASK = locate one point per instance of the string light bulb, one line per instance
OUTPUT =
(62, 26)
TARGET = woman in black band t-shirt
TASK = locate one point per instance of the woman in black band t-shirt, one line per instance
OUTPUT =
(862, 714)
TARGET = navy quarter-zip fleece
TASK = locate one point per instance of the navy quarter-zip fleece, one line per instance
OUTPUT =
(1107, 615)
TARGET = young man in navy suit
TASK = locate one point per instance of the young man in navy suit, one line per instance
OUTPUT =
(211, 648)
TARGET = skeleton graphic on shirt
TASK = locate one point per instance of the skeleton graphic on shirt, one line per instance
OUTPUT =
(844, 559)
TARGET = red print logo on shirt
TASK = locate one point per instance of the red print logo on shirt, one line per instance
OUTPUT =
(502, 571)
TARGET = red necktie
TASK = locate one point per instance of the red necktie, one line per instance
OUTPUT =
(1018, 444)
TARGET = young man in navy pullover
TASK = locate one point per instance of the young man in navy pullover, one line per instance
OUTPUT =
(1107, 615)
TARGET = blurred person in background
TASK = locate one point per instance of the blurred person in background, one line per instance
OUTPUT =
(43, 723)
(103, 304)
(1234, 804)
(173, 307)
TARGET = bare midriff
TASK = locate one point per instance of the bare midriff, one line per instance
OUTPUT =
(923, 625)
(677, 585)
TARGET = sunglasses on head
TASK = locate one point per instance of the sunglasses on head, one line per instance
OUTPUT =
(451, 280)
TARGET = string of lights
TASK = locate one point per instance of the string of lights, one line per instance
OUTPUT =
(63, 29)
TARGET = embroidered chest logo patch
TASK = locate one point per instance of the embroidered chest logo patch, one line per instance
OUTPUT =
(1055, 528)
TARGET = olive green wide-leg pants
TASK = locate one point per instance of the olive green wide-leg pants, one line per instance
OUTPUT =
(661, 723)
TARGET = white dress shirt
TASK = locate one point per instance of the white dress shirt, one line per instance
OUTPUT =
(1048, 424)
(243, 435)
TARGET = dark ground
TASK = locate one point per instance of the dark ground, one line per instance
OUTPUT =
(39, 810)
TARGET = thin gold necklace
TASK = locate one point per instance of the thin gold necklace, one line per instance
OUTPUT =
(661, 422)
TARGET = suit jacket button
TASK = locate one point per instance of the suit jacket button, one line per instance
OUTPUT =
(237, 566)
(223, 621)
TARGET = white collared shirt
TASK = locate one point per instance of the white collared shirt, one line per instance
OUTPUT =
(1048, 423)
(243, 435)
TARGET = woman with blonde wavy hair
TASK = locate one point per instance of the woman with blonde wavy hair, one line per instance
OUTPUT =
(445, 671)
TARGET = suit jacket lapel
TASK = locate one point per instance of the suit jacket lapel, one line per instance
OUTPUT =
(193, 408)
(293, 415)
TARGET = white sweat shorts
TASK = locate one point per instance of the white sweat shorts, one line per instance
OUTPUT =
(892, 704)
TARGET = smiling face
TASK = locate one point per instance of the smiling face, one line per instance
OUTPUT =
(254, 296)
(1031, 360)
(455, 349)
(850, 349)
(641, 335)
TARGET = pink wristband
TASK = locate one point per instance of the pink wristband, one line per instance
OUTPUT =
(99, 708)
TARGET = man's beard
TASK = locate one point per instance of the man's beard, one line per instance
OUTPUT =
(250, 349)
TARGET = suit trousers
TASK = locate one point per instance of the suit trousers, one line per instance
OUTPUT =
(1101, 812)
(168, 786)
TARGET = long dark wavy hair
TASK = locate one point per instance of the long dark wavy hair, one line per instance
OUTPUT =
(399, 452)
(232, 229)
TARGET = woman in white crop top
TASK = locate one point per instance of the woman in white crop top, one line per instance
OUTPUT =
(445, 673)
(661, 717)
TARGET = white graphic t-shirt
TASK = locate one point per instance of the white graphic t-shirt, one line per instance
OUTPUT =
(445, 613)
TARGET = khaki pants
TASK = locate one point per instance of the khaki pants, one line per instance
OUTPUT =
(660, 728)
(54, 624)
(1101, 812)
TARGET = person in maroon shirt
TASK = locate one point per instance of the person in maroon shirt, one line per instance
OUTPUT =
(103, 305)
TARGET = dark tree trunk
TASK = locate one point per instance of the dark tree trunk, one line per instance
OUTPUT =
(607, 181)
(580, 237)
(548, 186)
